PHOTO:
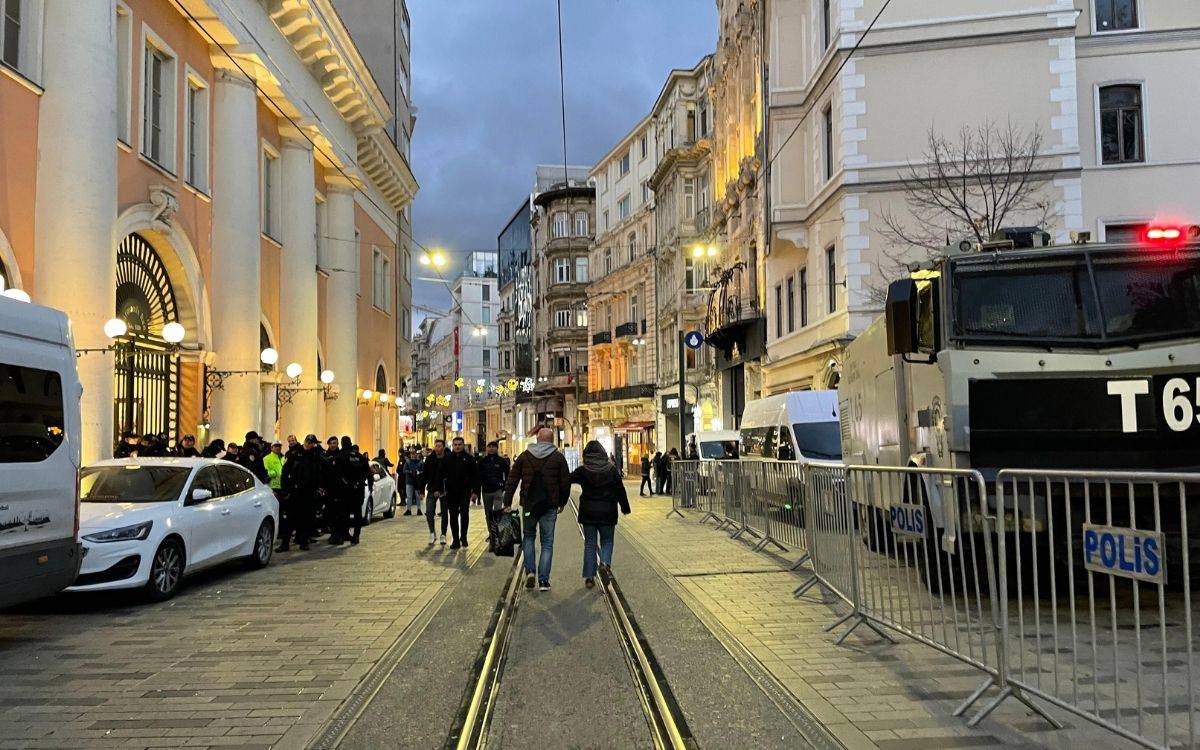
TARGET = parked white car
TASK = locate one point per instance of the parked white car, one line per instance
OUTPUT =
(148, 522)
(381, 499)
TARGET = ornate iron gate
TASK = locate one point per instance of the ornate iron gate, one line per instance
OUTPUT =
(147, 372)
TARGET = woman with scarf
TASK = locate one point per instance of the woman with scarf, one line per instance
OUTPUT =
(603, 492)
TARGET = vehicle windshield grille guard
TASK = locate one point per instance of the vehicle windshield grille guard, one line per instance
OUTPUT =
(1086, 298)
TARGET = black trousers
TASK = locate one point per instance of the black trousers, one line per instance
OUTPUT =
(646, 485)
(297, 514)
(459, 509)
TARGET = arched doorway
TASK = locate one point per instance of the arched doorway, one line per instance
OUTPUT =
(379, 413)
(146, 393)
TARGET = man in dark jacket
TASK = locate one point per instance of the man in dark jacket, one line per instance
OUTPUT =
(545, 481)
(187, 447)
(435, 488)
(462, 488)
(603, 492)
(251, 456)
(659, 472)
(493, 473)
(302, 483)
(352, 477)
(646, 485)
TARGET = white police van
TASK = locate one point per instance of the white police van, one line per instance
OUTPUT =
(795, 426)
(39, 452)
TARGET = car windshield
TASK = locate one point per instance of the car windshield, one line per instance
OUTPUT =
(819, 440)
(1128, 296)
(132, 484)
(719, 449)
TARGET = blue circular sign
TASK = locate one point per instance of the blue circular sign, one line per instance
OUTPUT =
(693, 339)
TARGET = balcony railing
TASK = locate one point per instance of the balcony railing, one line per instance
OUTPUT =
(624, 393)
(702, 219)
(603, 337)
(627, 330)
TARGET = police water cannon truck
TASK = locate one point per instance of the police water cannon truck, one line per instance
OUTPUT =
(1016, 354)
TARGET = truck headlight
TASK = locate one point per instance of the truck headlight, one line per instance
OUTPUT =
(137, 532)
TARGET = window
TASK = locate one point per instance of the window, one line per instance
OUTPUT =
(270, 193)
(645, 147)
(406, 329)
(562, 271)
(562, 318)
(826, 25)
(703, 119)
(195, 167)
(158, 106)
(487, 313)
(624, 168)
(778, 310)
(382, 286)
(562, 364)
(691, 274)
(803, 297)
(633, 308)
(623, 208)
(827, 142)
(581, 269)
(1116, 15)
(507, 332)
(1121, 124)
(831, 277)
(581, 224)
(124, 70)
(562, 226)
(235, 478)
(10, 39)
(581, 317)
(631, 241)
(31, 410)
(487, 357)
(689, 197)
(645, 192)
(607, 260)
(486, 291)
(791, 304)
(207, 479)
(604, 227)
(507, 360)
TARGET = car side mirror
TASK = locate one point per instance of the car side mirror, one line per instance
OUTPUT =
(900, 313)
(199, 496)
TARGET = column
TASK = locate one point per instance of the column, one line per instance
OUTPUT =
(298, 286)
(236, 256)
(341, 309)
(76, 203)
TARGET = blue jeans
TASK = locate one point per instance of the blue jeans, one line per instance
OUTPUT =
(590, 534)
(545, 527)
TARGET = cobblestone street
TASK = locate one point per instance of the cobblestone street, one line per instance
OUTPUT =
(239, 659)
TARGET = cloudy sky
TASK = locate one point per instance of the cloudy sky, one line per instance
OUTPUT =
(485, 84)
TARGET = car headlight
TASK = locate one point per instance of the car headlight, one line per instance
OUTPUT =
(136, 532)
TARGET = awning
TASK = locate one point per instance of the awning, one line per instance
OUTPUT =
(634, 426)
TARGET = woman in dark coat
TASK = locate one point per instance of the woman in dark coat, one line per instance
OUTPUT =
(603, 492)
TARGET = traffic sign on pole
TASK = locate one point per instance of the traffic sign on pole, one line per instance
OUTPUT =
(693, 339)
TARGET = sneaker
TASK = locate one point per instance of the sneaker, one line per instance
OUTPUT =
(419, 513)
(589, 583)
(432, 537)
(442, 539)
(544, 586)
(530, 580)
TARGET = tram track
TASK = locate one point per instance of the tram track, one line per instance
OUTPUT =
(471, 729)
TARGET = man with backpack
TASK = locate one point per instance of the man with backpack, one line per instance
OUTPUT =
(545, 482)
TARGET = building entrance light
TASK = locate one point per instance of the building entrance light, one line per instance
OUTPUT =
(268, 357)
(115, 328)
(327, 376)
(294, 370)
(173, 333)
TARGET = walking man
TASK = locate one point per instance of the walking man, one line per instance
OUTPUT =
(435, 488)
(645, 476)
(413, 472)
(462, 489)
(545, 481)
(493, 473)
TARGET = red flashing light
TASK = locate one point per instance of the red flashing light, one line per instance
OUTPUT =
(1164, 233)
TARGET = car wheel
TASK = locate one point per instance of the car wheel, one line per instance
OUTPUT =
(391, 509)
(264, 545)
(368, 509)
(166, 571)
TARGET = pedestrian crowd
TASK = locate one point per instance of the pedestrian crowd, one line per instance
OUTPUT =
(321, 488)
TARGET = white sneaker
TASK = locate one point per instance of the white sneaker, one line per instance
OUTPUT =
(442, 539)
(432, 537)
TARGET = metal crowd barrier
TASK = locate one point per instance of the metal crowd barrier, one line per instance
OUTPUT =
(1096, 574)
(1071, 587)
